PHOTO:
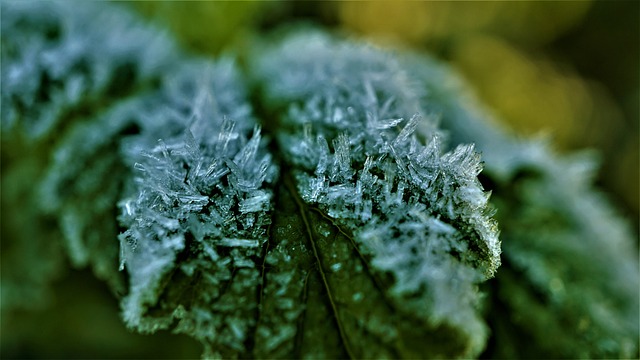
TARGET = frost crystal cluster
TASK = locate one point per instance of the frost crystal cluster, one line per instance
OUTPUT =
(570, 265)
(57, 62)
(67, 87)
(348, 129)
(196, 210)
(324, 204)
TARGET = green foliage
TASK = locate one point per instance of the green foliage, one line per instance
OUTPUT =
(353, 227)
(379, 181)
(196, 212)
(63, 80)
(568, 286)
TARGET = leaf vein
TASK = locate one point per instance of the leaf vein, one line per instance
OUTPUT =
(301, 207)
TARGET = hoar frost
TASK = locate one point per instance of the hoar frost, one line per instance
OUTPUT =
(361, 232)
(570, 268)
(196, 212)
(419, 213)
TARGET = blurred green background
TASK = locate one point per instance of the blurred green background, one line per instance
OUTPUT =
(567, 69)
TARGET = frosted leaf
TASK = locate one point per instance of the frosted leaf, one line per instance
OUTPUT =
(413, 212)
(181, 151)
(368, 239)
(201, 197)
(55, 60)
(571, 265)
(67, 86)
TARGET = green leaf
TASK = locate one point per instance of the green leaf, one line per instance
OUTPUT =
(336, 220)
(340, 303)
(568, 287)
(388, 237)
(339, 233)
(65, 87)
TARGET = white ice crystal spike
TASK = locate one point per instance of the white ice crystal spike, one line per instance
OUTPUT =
(466, 156)
(387, 123)
(259, 201)
(225, 136)
(249, 151)
(235, 243)
(162, 147)
(407, 131)
(211, 170)
(342, 159)
(191, 146)
(323, 155)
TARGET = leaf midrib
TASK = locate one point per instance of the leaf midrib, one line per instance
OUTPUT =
(288, 181)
